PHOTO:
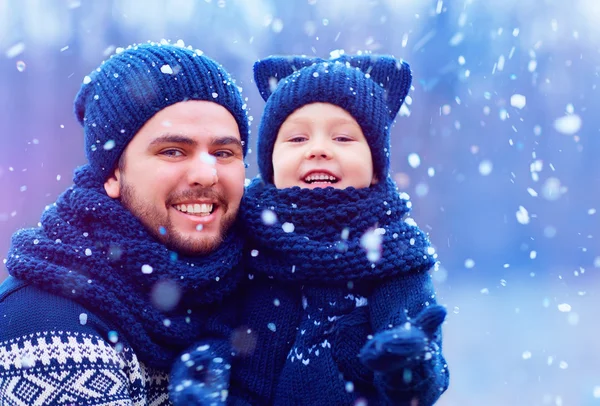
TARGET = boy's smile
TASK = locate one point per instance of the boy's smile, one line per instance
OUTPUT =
(320, 178)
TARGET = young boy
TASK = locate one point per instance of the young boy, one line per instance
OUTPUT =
(339, 306)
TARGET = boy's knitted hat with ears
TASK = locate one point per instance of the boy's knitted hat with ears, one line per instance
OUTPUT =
(369, 87)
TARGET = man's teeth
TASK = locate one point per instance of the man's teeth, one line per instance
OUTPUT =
(202, 209)
(320, 178)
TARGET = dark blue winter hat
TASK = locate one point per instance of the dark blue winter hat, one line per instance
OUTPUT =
(127, 89)
(369, 87)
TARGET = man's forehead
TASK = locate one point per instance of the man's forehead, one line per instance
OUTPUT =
(198, 109)
(198, 121)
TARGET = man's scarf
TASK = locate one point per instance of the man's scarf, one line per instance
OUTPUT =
(94, 251)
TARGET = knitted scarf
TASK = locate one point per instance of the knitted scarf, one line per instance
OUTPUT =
(92, 250)
(321, 236)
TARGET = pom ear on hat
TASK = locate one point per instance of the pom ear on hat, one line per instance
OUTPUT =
(393, 75)
(269, 71)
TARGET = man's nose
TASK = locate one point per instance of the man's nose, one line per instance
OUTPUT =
(203, 171)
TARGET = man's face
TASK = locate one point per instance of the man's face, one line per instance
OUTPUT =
(183, 175)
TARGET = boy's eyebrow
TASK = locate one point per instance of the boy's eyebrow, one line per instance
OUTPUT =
(308, 120)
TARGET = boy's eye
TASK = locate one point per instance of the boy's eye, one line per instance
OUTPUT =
(173, 153)
(342, 138)
(297, 139)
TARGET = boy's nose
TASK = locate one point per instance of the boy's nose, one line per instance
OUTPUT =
(318, 150)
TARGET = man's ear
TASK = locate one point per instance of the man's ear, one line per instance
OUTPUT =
(375, 180)
(112, 186)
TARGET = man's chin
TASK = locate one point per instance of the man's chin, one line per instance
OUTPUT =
(195, 246)
(196, 242)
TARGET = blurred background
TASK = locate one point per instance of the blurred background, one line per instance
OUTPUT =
(497, 146)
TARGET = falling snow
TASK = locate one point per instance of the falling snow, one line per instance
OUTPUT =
(564, 307)
(108, 145)
(147, 269)
(414, 160)
(522, 215)
(518, 101)
(568, 125)
(268, 217)
(485, 167)
(15, 50)
(166, 69)
(497, 143)
(288, 227)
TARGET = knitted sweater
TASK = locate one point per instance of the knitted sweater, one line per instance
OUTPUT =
(319, 288)
(53, 351)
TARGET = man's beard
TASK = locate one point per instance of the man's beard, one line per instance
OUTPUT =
(163, 230)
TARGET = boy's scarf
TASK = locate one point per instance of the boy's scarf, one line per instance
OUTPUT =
(316, 236)
(92, 250)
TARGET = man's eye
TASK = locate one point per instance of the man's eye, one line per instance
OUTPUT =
(173, 153)
(223, 154)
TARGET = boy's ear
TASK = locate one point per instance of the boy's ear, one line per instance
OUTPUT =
(269, 71)
(112, 186)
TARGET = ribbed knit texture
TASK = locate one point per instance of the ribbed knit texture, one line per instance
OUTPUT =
(327, 284)
(130, 87)
(92, 250)
(369, 87)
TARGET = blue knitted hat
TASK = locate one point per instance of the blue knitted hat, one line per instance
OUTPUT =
(127, 89)
(369, 87)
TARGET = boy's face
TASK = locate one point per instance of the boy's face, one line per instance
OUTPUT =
(321, 145)
(183, 175)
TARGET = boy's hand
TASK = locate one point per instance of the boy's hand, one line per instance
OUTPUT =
(402, 346)
(199, 377)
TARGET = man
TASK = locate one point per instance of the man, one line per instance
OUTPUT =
(130, 264)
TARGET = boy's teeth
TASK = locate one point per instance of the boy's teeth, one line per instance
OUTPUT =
(320, 177)
(202, 209)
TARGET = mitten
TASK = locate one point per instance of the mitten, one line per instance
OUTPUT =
(400, 347)
(201, 375)
(350, 333)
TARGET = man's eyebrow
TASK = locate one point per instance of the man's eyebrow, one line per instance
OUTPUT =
(173, 139)
(227, 140)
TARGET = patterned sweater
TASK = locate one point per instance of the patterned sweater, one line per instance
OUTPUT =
(55, 352)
